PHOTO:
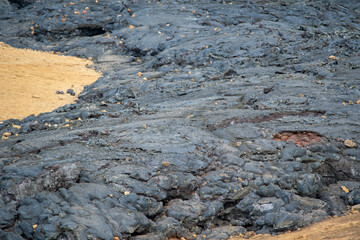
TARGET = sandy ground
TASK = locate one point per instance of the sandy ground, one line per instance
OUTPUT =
(29, 81)
(336, 228)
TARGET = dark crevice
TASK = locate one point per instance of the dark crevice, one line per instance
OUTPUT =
(136, 52)
(90, 31)
(333, 171)
(21, 3)
(262, 118)
(85, 31)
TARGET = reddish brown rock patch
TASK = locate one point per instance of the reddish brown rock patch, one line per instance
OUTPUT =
(302, 139)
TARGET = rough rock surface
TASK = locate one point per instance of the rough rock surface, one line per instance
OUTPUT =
(211, 119)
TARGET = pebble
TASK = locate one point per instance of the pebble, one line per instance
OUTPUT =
(71, 92)
(349, 143)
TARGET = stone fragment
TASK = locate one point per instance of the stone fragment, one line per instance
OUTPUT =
(349, 143)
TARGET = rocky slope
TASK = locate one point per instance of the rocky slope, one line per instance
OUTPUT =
(211, 119)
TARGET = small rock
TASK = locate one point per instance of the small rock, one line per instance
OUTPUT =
(268, 89)
(349, 143)
(165, 164)
(59, 92)
(71, 92)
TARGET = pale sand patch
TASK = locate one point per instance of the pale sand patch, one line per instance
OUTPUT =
(336, 228)
(29, 80)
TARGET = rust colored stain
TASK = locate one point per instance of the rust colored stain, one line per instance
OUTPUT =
(302, 139)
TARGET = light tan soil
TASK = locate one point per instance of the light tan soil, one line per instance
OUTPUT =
(29, 81)
(336, 228)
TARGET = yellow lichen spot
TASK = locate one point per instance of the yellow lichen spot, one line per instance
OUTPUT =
(240, 179)
(67, 125)
(358, 101)
(343, 103)
(118, 103)
(159, 32)
(345, 189)
(139, 74)
(133, 15)
(79, 119)
(71, 3)
(165, 164)
(16, 126)
(126, 193)
(351, 102)
(76, 13)
(238, 144)
(215, 29)
(182, 36)
(116, 238)
(144, 125)
(190, 116)
(5, 136)
(301, 95)
(332, 57)
(67, 120)
(34, 226)
(193, 11)
(349, 143)
(131, 26)
(323, 117)
(168, 25)
(103, 110)
(111, 195)
(215, 103)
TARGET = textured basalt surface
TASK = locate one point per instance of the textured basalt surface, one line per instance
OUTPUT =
(211, 119)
